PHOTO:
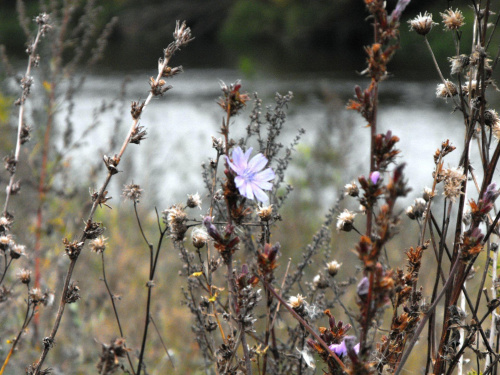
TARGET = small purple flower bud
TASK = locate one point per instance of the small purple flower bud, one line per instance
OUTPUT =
(374, 177)
(339, 349)
(363, 286)
(491, 193)
(211, 229)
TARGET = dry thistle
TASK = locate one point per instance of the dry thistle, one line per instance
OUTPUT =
(459, 63)
(345, 221)
(265, 213)
(447, 91)
(194, 200)
(98, 245)
(132, 192)
(453, 19)
(422, 24)
(24, 275)
(453, 179)
(351, 189)
(199, 237)
(333, 267)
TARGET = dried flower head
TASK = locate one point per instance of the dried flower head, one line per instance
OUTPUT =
(422, 24)
(16, 251)
(6, 242)
(72, 249)
(320, 282)
(345, 221)
(453, 178)
(138, 134)
(351, 189)
(24, 275)
(459, 63)
(428, 194)
(419, 207)
(36, 296)
(25, 134)
(265, 213)
(132, 192)
(491, 118)
(10, 163)
(98, 245)
(176, 218)
(453, 19)
(199, 237)
(296, 302)
(5, 224)
(194, 200)
(232, 100)
(109, 360)
(409, 212)
(333, 267)
(446, 91)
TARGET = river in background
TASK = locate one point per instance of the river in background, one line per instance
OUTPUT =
(180, 126)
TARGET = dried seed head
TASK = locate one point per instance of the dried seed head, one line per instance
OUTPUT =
(16, 251)
(6, 242)
(73, 293)
(333, 267)
(453, 178)
(24, 275)
(36, 296)
(5, 224)
(218, 144)
(199, 237)
(15, 188)
(111, 163)
(110, 355)
(136, 109)
(447, 91)
(419, 207)
(351, 189)
(452, 19)
(25, 134)
(138, 134)
(132, 192)
(459, 63)
(176, 219)
(182, 34)
(98, 245)
(10, 163)
(428, 194)
(422, 24)
(320, 282)
(409, 212)
(194, 200)
(296, 302)
(345, 221)
(491, 118)
(265, 213)
(72, 249)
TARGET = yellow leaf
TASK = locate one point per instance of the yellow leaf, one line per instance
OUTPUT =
(196, 274)
(213, 298)
(47, 86)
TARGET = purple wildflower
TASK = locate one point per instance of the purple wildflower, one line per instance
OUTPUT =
(363, 286)
(251, 177)
(374, 177)
(341, 349)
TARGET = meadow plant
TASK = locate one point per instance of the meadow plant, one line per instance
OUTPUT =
(251, 313)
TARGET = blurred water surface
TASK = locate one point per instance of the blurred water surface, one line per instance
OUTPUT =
(180, 125)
